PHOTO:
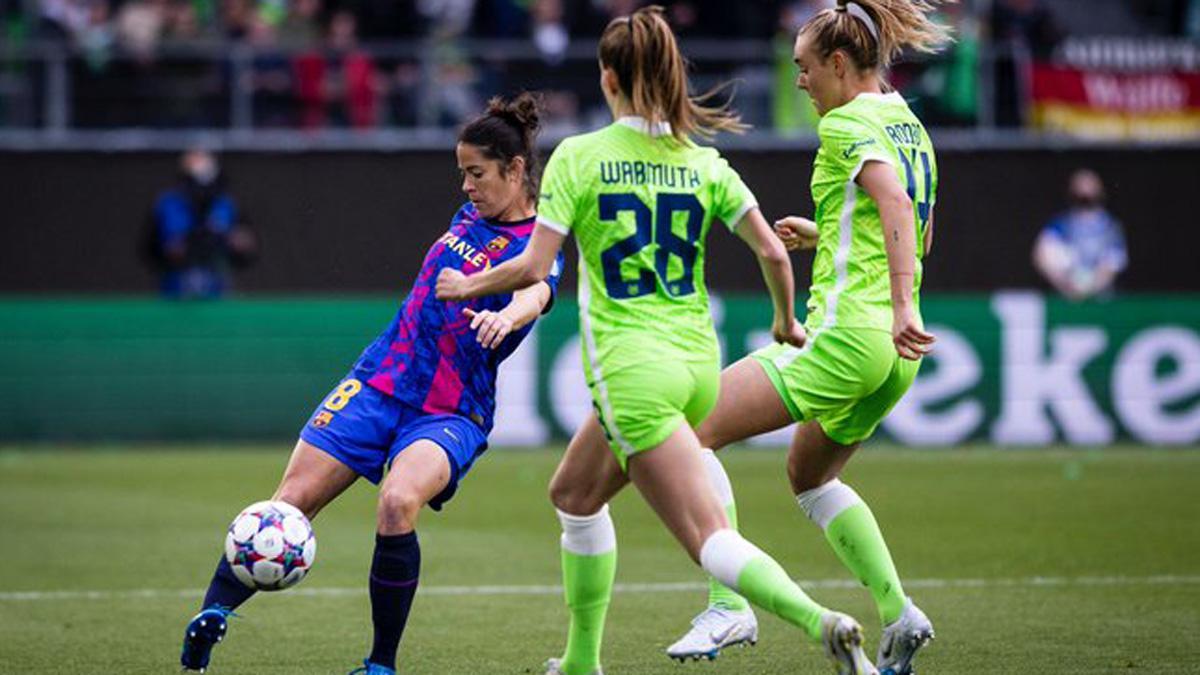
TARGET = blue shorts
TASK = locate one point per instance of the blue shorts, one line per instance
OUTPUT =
(365, 429)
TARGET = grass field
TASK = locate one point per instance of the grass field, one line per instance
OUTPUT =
(1028, 562)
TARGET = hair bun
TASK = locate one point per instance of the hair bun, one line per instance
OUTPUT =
(523, 111)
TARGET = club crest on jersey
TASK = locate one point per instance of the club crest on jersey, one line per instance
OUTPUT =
(322, 419)
(498, 244)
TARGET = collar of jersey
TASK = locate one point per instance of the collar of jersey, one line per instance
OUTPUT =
(890, 97)
(508, 223)
(639, 123)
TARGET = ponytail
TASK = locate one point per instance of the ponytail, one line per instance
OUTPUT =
(652, 73)
(874, 32)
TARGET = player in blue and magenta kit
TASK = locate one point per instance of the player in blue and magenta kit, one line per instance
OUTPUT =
(415, 410)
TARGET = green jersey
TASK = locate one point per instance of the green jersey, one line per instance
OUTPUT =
(850, 281)
(641, 204)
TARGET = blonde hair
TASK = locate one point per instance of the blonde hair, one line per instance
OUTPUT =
(652, 73)
(898, 25)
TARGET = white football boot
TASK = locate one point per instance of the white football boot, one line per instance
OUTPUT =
(842, 638)
(902, 639)
(554, 667)
(713, 630)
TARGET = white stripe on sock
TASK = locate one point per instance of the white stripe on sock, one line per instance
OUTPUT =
(823, 504)
(588, 535)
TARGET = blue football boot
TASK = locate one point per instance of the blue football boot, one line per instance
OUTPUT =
(205, 630)
(368, 668)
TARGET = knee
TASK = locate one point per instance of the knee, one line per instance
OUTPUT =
(298, 496)
(398, 510)
(573, 499)
(804, 478)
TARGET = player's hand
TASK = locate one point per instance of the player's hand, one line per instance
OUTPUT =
(491, 327)
(793, 335)
(797, 233)
(451, 285)
(911, 341)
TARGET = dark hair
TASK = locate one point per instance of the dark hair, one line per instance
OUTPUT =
(507, 130)
(897, 24)
(642, 51)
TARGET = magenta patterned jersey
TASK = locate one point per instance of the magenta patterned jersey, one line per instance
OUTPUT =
(428, 356)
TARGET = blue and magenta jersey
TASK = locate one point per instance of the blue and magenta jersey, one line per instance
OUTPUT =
(428, 356)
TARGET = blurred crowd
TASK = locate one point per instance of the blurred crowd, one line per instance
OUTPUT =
(372, 63)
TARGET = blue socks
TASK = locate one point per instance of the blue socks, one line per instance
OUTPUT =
(394, 572)
(225, 589)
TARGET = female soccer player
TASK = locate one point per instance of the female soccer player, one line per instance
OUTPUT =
(640, 198)
(416, 408)
(873, 184)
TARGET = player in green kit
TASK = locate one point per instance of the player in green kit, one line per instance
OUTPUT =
(874, 184)
(640, 197)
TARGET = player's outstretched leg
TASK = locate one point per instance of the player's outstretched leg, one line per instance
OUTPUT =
(312, 480)
(851, 529)
(672, 479)
(418, 474)
(728, 619)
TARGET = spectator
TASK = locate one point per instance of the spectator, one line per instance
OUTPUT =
(196, 235)
(339, 84)
(1082, 251)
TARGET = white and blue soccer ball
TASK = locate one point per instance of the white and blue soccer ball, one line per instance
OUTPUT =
(270, 546)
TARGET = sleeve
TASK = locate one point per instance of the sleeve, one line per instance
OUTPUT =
(552, 281)
(732, 198)
(557, 200)
(851, 144)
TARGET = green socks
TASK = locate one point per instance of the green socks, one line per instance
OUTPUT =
(739, 564)
(587, 585)
(765, 583)
(589, 564)
(855, 537)
(851, 530)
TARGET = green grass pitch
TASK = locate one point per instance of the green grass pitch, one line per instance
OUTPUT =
(1027, 561)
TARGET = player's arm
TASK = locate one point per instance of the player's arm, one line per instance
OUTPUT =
(531, 266)
(776, 269)
(879, 180)
(526, 305)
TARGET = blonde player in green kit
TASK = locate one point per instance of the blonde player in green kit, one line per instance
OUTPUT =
(640, 197)
(873, 183)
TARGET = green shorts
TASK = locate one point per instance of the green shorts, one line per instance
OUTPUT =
(640, 406)
(846, 379)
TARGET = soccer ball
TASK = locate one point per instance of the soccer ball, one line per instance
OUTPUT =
(270, 546)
